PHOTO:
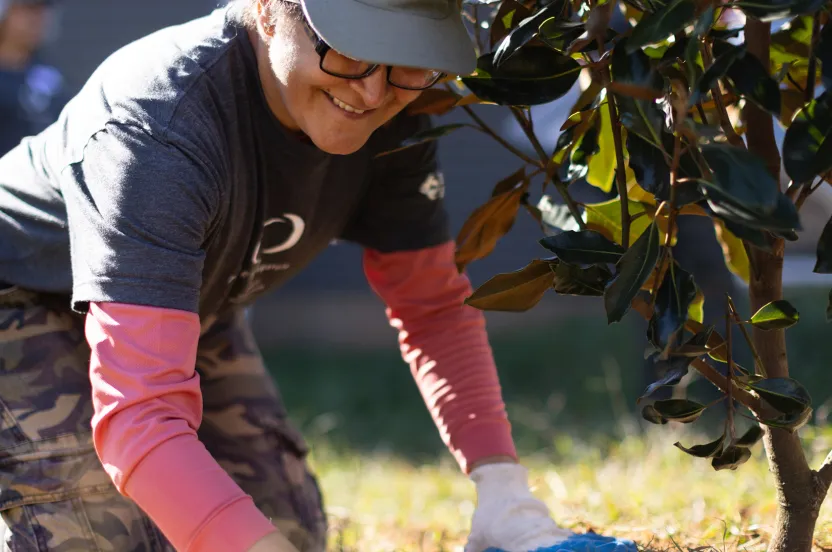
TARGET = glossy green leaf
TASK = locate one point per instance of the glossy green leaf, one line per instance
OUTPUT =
(731, 458)
(533, 76)
(748, 75)
(651, 168)
(559, 34)
(508, 16)
(575, 280)
(716, 71)
(601, 167)
(696, 309)
(744, 191)
(605, 218)
(634, 267)
(769, 10)
(675, 369)
(516, 291)
(425, 136)
(785, 394)
(703, 337)
(705, 21)
(583, 247)
(752, 80)
(641, 117)
(752, 236)
(750, 437)
(650, 414)
(682, 411)
(790, 422)
(657, 26)
(670, 311)
(783, 221)
(790, 46)
(777, 315)
(525, 31)
(733, 251)
(708, 450)
(824, 54)
(556, 217)
(807, 147)
(691, 53)
(587, 146)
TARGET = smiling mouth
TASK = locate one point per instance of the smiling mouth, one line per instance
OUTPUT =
(345, 106)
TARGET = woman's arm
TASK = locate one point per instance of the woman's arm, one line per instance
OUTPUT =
(148, 406)
(446, 345)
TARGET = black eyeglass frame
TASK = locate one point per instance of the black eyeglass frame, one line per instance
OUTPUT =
(321, 47)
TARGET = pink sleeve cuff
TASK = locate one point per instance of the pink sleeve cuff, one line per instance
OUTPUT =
(179, 481)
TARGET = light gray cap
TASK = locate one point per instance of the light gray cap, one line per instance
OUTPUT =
(411, 33)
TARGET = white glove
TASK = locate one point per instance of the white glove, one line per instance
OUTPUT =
(508, 516)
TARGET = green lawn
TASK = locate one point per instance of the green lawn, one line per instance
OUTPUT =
(570, 391)
(643, 488)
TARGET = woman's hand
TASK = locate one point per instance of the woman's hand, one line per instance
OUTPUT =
(508, 517)
(273, 542)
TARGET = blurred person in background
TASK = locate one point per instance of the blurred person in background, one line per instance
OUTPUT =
(31, 93)
(199, 168)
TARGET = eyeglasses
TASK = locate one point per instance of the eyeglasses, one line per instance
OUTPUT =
(338, 65)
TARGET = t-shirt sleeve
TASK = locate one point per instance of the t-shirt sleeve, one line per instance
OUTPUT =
(403, 209)
(139, 209)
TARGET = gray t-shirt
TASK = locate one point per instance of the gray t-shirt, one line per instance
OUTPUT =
(168, 182)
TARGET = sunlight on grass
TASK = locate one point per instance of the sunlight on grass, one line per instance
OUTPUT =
(643, 488)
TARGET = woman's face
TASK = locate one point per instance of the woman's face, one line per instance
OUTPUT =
(337, 114)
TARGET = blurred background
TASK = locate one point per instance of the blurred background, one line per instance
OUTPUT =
(564, 370)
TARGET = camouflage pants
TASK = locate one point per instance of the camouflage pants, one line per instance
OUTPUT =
(54, 493)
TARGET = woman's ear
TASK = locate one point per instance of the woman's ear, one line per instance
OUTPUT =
(265, 19)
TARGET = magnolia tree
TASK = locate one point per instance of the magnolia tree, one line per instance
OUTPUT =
(678, 118)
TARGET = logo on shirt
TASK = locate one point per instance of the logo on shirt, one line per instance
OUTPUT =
(273, 229)
(433, 187)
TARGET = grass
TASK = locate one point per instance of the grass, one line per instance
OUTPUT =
(642, 488)
(570, 391)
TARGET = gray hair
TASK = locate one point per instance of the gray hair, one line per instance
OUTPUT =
(280, 9)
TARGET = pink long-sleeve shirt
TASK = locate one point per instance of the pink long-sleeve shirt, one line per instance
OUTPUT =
(148, 404)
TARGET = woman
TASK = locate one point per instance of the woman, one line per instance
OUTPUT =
(199, 168)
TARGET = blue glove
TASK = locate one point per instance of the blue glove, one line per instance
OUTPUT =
(590, 542)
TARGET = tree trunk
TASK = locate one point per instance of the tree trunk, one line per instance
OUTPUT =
(799, 489)
(798, 493)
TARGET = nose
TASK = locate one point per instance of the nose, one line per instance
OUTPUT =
(374, 88)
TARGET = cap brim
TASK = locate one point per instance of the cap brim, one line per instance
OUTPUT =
(364, 32)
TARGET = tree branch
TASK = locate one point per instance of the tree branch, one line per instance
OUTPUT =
(722, 113)
(546, 162)
(757, 360)
(488, 130)
(599, 19)
(521, 119)
(702, 114)
(739, 394)
(761, 408)
(729, 419)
